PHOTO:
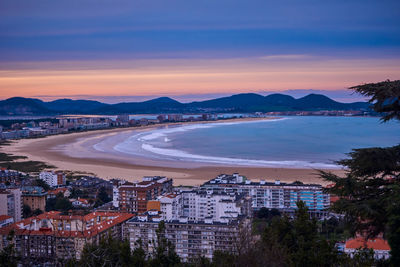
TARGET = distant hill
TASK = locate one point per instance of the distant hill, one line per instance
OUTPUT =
(235, 103)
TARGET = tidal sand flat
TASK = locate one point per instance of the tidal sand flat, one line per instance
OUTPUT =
(288, 149)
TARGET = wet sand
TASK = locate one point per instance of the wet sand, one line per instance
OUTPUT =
(72, 152)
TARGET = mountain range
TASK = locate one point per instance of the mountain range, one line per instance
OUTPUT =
(236, 103)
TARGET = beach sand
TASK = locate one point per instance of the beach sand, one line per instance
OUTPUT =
(71, 152)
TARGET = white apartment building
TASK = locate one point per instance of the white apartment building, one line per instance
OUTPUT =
(198, 205)
(190, 239)
(11, 203)
(282, 196)
(52, 178)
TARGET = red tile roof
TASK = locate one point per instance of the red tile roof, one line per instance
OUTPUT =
(4, 217)
(110, 219)
(360, 242)
(58, 190)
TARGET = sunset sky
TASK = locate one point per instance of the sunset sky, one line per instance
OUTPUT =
(118, 50)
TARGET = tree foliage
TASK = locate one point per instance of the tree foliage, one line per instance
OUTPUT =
(108, 252)
(384, 97)
(369, 194)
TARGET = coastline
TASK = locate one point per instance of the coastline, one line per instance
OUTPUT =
(67, 153)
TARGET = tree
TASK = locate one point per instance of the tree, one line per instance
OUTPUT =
(41, 183)
(26, 211)
(59, 203)
(108, 252)
(370, 191)
(165, 254)
(7, 255)
(37, 212)
(384, 96)
(299, 240)
(102, 195)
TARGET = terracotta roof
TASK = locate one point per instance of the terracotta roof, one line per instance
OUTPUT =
(4, 217)
(360, 242)
(58, 190)
(110, 219)
(170, 195)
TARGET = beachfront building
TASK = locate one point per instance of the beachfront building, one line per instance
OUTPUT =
(52, 178)
(200, 205)
(191, 239)
(133, 197)
(11, 203)
(50, 236)
(282, 196)
(34, 197)
(84, 123)
(379, 245)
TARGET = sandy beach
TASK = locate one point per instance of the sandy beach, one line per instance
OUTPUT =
(74, 152)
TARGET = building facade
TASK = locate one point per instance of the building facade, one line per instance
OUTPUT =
(282, 196)
(11, 203)
(50, 236)
(379, 245)
(52, 178)
(133, 197)
(190, 239)
(34, 197)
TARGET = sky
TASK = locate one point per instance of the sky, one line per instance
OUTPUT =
(124, 50)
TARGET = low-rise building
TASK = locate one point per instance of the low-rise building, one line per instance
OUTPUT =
(379, 245)
(51, 236)
(61, 190)
(81, 203)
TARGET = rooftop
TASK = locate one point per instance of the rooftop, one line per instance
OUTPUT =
(360, 242)
(96, 222)
(4, 217)
(33, 191)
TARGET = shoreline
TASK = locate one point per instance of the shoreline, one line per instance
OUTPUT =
(53, 150)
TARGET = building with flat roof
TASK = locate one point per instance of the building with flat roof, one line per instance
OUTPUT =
(34, 197)
(190, 239)
(52, 178)
(51, 236)
(278, 195)
(133, 197)
(11, 203)
(9, 176)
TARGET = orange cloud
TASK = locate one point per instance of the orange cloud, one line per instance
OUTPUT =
(174, 76)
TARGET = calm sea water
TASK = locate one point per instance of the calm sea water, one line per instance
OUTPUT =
(287, 142)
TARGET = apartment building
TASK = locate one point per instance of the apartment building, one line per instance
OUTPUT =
(52, 178)
(199, 205)
(8, 176)
(34, 197)
(282, 196)
(50, 236)
(11, 203)
(191, 239)
(133, 197)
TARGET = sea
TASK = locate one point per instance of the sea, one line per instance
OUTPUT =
(282, 142)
